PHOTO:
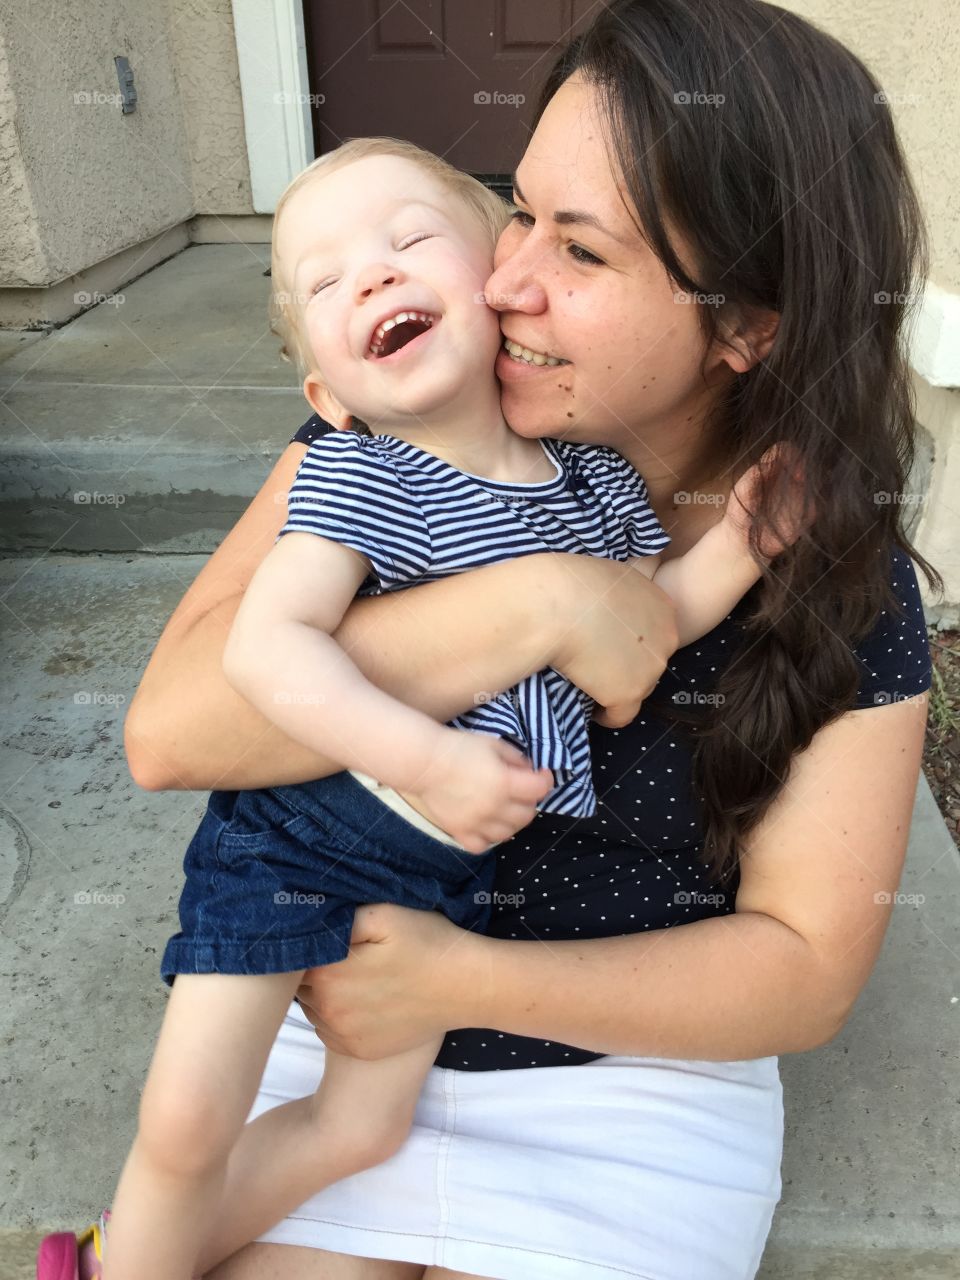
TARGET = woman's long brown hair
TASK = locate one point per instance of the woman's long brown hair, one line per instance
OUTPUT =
(771, 148)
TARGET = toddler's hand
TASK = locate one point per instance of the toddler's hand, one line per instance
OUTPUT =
(481, 790)
(795, 512)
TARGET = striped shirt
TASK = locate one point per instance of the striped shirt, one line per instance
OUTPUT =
(416, 519)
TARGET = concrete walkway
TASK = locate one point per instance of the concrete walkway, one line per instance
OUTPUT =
(173, 400)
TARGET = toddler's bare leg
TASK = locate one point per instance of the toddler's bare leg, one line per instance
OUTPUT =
(359, 1116)
(209, 1059)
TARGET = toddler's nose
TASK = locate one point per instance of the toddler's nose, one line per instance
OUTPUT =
(377, 276)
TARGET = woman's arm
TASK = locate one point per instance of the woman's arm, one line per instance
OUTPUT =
(438, 647)
(780, 975)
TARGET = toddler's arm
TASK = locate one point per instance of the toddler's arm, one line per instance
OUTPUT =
(281, 657)
(707, 582)
(717, 571)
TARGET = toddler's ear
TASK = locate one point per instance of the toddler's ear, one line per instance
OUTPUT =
(322, 400)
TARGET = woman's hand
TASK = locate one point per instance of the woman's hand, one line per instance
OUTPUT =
(409, 977)
(620, 632)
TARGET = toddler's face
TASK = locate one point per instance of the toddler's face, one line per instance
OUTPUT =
(388, 270)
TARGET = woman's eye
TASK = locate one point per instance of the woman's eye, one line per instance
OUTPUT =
(584, 256)
(577, 252)
(317, 288)
(421, 235)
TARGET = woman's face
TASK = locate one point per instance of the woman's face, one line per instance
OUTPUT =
(574, 279)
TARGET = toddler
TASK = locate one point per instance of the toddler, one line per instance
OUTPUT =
(380, 254)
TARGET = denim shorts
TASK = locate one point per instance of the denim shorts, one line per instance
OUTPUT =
(273, 877)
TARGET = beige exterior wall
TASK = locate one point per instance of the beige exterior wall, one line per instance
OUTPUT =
(96, 181)
(205, 52)
(80, 182)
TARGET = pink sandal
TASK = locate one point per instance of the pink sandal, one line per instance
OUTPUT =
(64, 1256)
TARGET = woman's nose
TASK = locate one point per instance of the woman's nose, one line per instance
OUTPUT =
(377, 276)
(512, 287)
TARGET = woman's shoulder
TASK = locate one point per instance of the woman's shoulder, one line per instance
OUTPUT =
(312, 429)
(894, 657)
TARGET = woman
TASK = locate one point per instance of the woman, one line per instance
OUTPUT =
(709, 205)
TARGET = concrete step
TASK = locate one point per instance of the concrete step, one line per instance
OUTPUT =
(870, 1163)
(147, 423)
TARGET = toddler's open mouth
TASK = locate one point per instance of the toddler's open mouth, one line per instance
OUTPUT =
(397, 331)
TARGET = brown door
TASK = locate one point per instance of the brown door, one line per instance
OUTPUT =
(457, 76)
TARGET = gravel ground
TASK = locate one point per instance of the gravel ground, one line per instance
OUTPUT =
(941, 756)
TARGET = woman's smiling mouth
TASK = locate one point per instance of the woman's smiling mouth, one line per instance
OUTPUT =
(528, 356)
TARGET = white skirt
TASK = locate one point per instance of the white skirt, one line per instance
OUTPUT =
(647, 1167)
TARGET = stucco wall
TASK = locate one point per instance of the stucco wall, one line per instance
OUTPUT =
(205, 49)
(97, 181)
(914, 51)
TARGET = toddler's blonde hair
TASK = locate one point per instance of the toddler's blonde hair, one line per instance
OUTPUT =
(491, 212)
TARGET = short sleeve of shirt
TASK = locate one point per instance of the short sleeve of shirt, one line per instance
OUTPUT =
(895, 657)
(312, 429)
(645, 535)
(350, 490)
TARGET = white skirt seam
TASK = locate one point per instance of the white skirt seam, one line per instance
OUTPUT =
(592, 1264)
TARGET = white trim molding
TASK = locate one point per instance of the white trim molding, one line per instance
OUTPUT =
(271, 51)
(935, 338)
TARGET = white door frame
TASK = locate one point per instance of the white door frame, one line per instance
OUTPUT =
(271, 51)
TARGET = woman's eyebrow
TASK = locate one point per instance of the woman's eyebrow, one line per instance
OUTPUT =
(577, 217)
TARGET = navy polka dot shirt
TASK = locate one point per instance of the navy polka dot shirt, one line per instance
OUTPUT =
(633, 865)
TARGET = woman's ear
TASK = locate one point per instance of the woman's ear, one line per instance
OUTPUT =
(322, 401)
(747, 340)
